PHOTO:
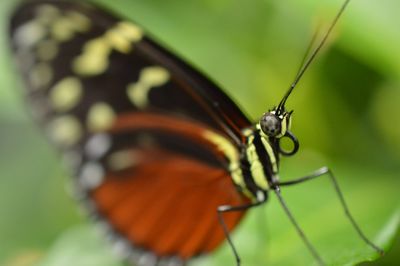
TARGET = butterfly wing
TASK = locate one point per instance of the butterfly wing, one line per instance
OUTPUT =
(150, 140)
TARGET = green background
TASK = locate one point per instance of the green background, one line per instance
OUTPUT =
(347, 116)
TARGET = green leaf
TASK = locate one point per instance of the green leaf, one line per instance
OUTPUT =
(373, 202)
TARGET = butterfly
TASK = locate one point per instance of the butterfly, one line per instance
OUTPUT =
(160, 156)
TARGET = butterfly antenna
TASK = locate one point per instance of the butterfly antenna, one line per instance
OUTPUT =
(309, 47)
(307, 63)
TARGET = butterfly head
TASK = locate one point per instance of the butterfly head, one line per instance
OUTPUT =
(275, 125)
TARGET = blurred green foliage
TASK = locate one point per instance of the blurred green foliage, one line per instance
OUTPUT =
(347, 116)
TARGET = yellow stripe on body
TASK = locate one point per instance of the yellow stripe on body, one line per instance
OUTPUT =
(95, 57)
(256, 167)
(271, 155)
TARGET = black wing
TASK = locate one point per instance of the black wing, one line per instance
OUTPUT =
(152, 141)
(78, 33)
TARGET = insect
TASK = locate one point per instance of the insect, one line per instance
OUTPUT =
(161, 157)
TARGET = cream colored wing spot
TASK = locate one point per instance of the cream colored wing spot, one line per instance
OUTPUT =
(40, 75)
(28, 34)
(65, 130)
(94, 59)
(66, 94)
(118, 41)
(154, 76)
(130, 31)
(81, 23)
(123, 249)
(91, 176)
(47, 13)
(47, 50)
(123, 35)
(63, 28)
(100, 117)
(149, 78)
(122, 160)
(97, 146)
(49, 20)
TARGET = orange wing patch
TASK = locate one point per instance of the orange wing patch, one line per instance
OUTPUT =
(169, 204)
(161, 198)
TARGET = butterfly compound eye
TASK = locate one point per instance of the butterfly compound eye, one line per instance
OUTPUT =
(270, 125)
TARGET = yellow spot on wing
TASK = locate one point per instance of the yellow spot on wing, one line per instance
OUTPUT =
(122, 160)
(118, 41)
(95, 57)
(40, 75)
(62, 29)
(49, 20)
(81, 23)
(130, 31)
(47, 13)
(66, 94)
(101, 117)
(150, 77)
(65, 130)
(154, 76)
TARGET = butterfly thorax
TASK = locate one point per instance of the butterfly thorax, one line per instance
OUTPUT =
(259, 162)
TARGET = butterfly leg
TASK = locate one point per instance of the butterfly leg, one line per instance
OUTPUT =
(326, 171)
(261, 198)
(310, 247)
